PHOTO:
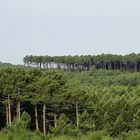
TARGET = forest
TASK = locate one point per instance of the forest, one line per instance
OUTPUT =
(130, 62)
(71, 98)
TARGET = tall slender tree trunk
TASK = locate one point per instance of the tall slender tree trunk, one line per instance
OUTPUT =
(55, 123)
(36, 118)
(9, 109)
(18, 110)
(77, 115)
(40, 65)
(135, 67)
(44, 119)
(46, 65)
(7, 115)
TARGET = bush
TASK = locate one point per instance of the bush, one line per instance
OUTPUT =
(19, 130)
(64, 127)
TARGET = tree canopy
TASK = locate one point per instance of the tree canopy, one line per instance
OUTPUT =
(99, 100)
(130, 62)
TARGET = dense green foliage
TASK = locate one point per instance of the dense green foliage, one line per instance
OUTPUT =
(7, 65)
(99, 104)
(129, 62)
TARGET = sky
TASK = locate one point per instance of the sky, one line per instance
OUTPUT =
(68, 27)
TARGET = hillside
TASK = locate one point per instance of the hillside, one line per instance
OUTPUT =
(9, 65)
(57, 103)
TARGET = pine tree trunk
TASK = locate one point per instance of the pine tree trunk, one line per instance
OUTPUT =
(135, 67)
(9, 110)
(7, 115)
(55, 124)
(36, 119)
(44, 119)
(18, 110)
(77, 115)
(40, 65)
(46, 65)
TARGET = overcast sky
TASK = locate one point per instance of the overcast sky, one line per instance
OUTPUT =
(63, 27)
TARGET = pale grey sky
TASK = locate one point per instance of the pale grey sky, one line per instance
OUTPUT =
(62, 27)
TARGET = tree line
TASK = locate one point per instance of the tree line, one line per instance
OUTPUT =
(64, 103)
(130, 62)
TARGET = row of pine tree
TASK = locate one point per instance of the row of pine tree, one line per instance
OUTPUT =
(76, 63)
